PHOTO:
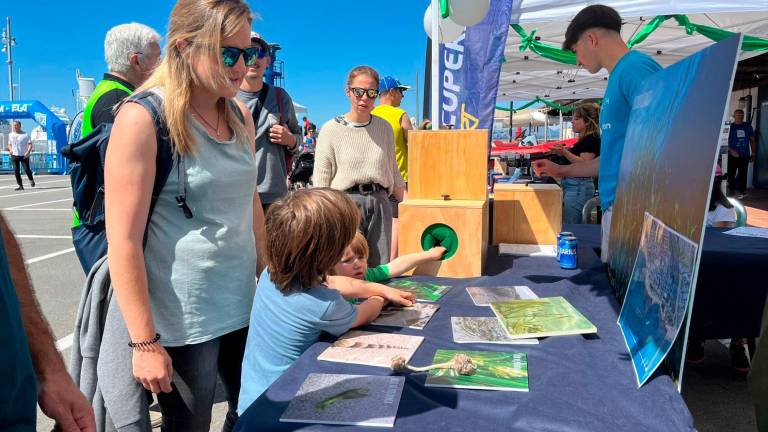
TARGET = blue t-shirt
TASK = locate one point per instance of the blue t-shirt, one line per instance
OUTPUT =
(739, 138)
(623, 83)
(282, 327)
(18, 398)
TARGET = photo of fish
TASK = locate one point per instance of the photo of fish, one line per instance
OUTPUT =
(415, 317)
(360, 400)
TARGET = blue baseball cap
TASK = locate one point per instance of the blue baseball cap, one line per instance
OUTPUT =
(388, 83)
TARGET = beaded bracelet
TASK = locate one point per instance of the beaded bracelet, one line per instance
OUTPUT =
(146, 343)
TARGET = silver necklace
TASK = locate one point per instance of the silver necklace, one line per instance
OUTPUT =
(210, 126)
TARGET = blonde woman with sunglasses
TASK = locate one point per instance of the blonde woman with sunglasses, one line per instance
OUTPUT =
(186, 294)
(356, 153)
(578, 190)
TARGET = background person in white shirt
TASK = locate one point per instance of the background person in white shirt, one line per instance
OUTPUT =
(20, 146)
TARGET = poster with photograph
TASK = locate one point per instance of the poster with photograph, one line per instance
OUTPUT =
(658, 295)
(668, 161)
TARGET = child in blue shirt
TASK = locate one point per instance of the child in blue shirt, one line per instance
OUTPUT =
(307, 233)
(354, 263)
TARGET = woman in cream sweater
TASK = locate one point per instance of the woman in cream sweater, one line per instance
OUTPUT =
(356, 153)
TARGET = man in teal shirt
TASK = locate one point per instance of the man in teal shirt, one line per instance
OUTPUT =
(594, 36)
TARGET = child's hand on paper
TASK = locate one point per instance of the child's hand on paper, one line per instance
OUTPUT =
(397, 297)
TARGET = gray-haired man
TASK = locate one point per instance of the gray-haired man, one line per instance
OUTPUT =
(131, 51)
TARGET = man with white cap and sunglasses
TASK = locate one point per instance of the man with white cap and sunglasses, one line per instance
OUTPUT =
(391, 94)
(277, 131)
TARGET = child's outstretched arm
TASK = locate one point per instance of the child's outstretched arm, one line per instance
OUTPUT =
(404, 263)
(356, 288)
(368, 310)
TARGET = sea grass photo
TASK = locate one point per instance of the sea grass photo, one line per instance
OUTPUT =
(495, 371)
(549, 316)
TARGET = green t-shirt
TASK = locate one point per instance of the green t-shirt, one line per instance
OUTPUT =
(377, 274)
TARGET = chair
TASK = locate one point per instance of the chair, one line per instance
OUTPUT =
(741, 212)
(592, 213)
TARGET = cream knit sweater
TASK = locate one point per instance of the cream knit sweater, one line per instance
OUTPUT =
(347, 155)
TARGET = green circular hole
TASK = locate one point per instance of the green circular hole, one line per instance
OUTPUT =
(440, 235)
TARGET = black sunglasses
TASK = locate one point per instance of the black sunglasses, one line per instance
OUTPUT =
(230, 55)
(359, 92)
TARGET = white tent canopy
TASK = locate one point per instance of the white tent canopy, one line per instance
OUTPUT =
(299, 108)
(524, 118)
(523, 79)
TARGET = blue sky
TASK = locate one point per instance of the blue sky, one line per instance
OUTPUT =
(321, 41)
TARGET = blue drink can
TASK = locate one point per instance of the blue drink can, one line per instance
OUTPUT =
(568, 248)
(560, 237)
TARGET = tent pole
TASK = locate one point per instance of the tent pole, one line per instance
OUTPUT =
(418, 117)
(511, 120)
(435, 106)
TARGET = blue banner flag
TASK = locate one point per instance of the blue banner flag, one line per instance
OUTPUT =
(470, 68)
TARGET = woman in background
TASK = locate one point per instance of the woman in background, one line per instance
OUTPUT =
(578, 190)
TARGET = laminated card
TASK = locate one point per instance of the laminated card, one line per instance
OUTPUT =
(372, 349)
(359, 400)
(549, 316)
(423, 291)
(483, 330)
(484, 296)
(415, 317)
(495, 371)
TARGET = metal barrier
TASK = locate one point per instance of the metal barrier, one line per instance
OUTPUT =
(38, 162)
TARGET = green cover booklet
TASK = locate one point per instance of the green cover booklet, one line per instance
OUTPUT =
(495, 371)
(549, 316)
(346, 400)
(423, 291)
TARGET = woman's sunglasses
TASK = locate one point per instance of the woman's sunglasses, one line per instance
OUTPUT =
(230, 55)
(359, 92)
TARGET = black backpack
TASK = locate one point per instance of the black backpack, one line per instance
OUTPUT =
(302, 170)
(87, 176)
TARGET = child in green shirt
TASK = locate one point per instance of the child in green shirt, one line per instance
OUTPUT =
(354, 262)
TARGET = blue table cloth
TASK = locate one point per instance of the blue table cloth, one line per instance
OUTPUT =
(577, 383)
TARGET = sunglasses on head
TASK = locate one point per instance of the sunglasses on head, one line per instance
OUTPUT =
(359, 92)
(230, 55)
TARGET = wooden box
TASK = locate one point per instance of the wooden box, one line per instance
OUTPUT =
(468, 218)
(527, 214)
(448, 162)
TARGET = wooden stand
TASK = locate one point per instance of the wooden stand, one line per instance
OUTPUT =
(469, 219)
(447, 173)
(527, 214)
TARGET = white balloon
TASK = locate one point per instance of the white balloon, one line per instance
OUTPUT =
(449, 30)
(468, 12)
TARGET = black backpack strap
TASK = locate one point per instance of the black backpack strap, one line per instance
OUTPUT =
(260, 105)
